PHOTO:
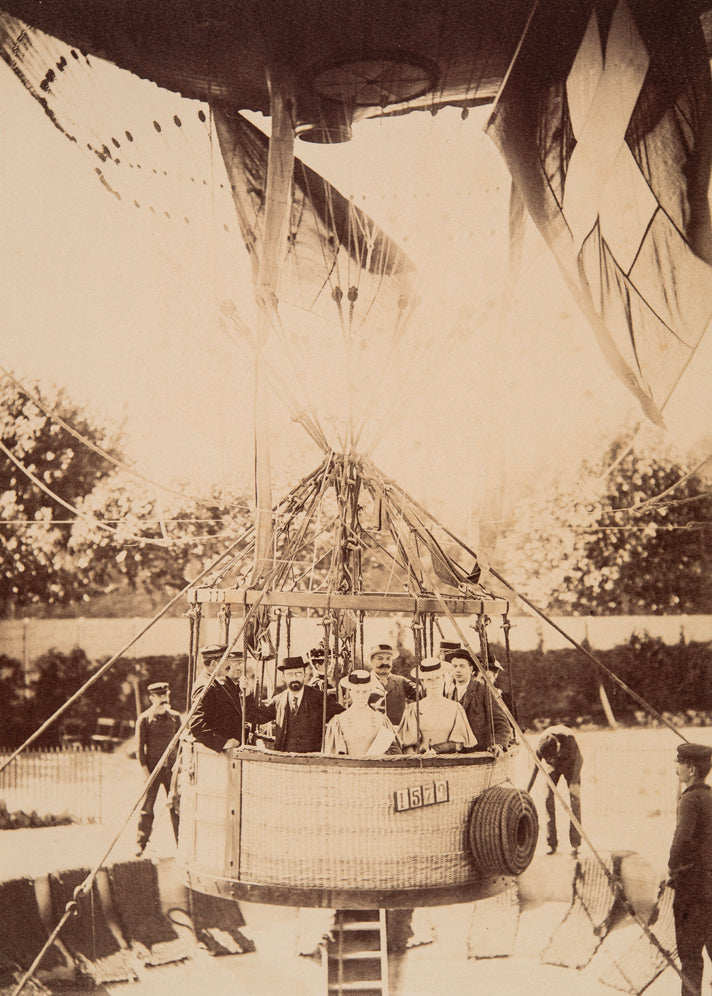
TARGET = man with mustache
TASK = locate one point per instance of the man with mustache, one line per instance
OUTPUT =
(297, 711)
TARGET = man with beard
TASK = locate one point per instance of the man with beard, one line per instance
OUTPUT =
(398, 689)
(297, 711)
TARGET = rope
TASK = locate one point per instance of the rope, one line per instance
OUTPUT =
(84, 888)
(112, 660)
(503, 831)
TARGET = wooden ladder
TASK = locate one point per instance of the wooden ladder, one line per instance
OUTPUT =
(355, 963)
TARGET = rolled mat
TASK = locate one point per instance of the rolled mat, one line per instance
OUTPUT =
(87, 936)
(10, 976)
(494, 924)
(23, 932)
(640, 964)
(218, 924)
(137, 900)
(594, 910)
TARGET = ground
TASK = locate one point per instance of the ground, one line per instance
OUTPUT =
(629, 797)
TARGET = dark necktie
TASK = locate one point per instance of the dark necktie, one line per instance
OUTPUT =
(293, 703)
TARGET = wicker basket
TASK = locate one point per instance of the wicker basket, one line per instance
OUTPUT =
(305, 829)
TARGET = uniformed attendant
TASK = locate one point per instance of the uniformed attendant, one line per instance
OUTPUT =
(690, 864)
(297, 711)
(155, 728)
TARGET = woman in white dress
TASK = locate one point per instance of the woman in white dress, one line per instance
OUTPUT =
(359, 730)
(434, 724)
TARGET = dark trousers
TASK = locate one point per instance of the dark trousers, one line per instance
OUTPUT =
(573, 782)
(145, 820)
(693, 932)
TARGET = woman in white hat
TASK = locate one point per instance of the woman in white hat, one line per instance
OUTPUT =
(434, 724)
(360, 731)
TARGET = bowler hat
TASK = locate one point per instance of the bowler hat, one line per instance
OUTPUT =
(291, 663)
(694, 753)
(461, 654)
(158, 687)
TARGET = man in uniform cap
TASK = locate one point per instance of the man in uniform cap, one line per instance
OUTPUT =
(297, 711)
(398, 689)
(155, 728)
(690, 864)
(210, 657)
(217, 721)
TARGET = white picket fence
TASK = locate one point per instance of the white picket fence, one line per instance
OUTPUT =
(27, 639)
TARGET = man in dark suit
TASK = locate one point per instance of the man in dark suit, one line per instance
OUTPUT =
(487, 721)
(217, 722)
(398, 689)
(297, 711)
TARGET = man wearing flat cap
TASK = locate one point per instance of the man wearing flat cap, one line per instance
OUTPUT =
(297, 711)
(210, 657)
(397, 688)
(690, 864)
(155, 728)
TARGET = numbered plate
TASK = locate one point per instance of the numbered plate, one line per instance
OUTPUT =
(418, 796)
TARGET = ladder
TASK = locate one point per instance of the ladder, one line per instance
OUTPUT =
(355, 963)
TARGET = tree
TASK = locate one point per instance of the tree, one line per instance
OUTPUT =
(600, 543)
(35, 565)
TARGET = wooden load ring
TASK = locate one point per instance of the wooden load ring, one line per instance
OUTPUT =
(503, 830)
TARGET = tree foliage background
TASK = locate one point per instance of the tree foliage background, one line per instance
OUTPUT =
(128, 536)
(630, 533)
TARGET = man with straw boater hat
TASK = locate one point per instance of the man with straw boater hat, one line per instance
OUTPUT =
(297, 711)
(690, 864)
(397, 688)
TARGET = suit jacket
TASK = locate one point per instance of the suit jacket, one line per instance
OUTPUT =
(484, 714)
(398, 691)
(218, 718)
(299, 733)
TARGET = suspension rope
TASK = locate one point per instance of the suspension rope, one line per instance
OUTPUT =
(84, 888)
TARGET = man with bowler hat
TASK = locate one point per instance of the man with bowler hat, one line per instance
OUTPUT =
(690, 864)
(297, 711)
(487, 721)
(155, 728)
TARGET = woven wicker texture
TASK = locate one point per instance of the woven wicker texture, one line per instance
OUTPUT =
(218, 924)
(23, 933)
(594, 910)
(88, 936)
(494, 924)
(324, 826)
(134, 891)
(642, 962)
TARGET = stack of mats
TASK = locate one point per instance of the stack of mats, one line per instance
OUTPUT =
(22, 936)
(642, 962)
(10, 976)
(87, 936)
(218, 924)
(596, 907)
(134, 890)
(494, 924)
